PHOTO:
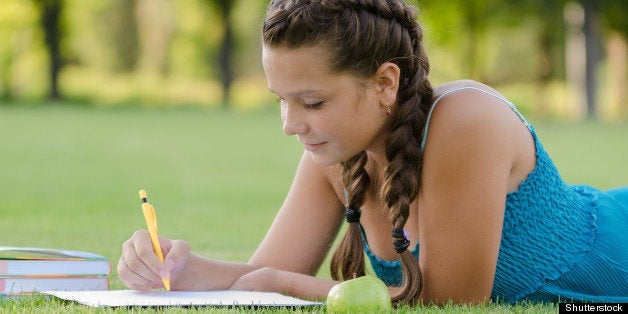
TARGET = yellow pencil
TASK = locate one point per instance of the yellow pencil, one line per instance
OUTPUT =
(151, 222)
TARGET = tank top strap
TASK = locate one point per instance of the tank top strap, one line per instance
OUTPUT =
(429, 115)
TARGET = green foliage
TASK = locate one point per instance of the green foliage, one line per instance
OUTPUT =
(119, 29)
(615, 16)
(21, 54)
(158, 51)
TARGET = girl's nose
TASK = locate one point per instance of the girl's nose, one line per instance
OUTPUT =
(293, 120)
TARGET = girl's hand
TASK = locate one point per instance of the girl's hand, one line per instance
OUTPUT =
(140, 269)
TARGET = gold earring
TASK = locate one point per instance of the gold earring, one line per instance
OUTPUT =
(388, 111)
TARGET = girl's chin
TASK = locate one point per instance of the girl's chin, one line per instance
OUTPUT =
(325, 160)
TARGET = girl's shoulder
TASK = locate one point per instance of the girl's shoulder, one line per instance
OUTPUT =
(456, 84)
(467, 105)
(468, 89)
(470, 122)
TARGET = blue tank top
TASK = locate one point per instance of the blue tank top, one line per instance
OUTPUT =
(559, 241)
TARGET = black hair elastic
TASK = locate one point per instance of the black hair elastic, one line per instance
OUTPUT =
(352, 214)
(401, 240)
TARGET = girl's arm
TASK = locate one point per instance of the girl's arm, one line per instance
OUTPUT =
(285, 282)
(297, 241)
(306, 225)
(299, 238)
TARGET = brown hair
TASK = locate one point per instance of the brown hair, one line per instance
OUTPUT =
(360, 35)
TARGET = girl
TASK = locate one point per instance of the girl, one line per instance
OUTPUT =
(448, 191)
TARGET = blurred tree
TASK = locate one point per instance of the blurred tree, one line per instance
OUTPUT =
(550, 47)
(475, 25)
(226, 47)
(616, 14)
(156, 26)
(6, 74)
(50, 15)
(616, 18)
(11, 27)
(466, 24)
(120, 30)
(594, 51)
(550, 43)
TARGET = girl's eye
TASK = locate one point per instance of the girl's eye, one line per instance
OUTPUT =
(317, 105)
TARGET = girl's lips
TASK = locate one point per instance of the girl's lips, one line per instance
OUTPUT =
(312, 147)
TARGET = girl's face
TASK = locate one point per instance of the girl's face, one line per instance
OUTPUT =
(334, 115)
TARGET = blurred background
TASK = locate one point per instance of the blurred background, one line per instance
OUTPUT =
(559, 59)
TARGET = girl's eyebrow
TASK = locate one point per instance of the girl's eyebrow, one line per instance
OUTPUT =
(299, 93)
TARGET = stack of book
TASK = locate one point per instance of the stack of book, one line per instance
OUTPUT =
(27, 270)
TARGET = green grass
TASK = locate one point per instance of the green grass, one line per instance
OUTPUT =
(588, 152)
(69, 178)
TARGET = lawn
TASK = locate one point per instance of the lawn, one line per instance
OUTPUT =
(70, 177)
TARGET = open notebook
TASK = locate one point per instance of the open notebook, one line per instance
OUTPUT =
(115, 298)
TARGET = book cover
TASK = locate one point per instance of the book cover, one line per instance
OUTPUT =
(26, 284)
(21, 261)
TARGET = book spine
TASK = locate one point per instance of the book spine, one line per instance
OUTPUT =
(21, 285)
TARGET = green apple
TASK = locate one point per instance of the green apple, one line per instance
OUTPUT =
(366, 294)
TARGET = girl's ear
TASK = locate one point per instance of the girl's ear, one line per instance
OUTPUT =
(387, 80)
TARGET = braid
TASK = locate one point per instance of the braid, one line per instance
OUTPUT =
(348, 259)
(360, 35)
(402, 178)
